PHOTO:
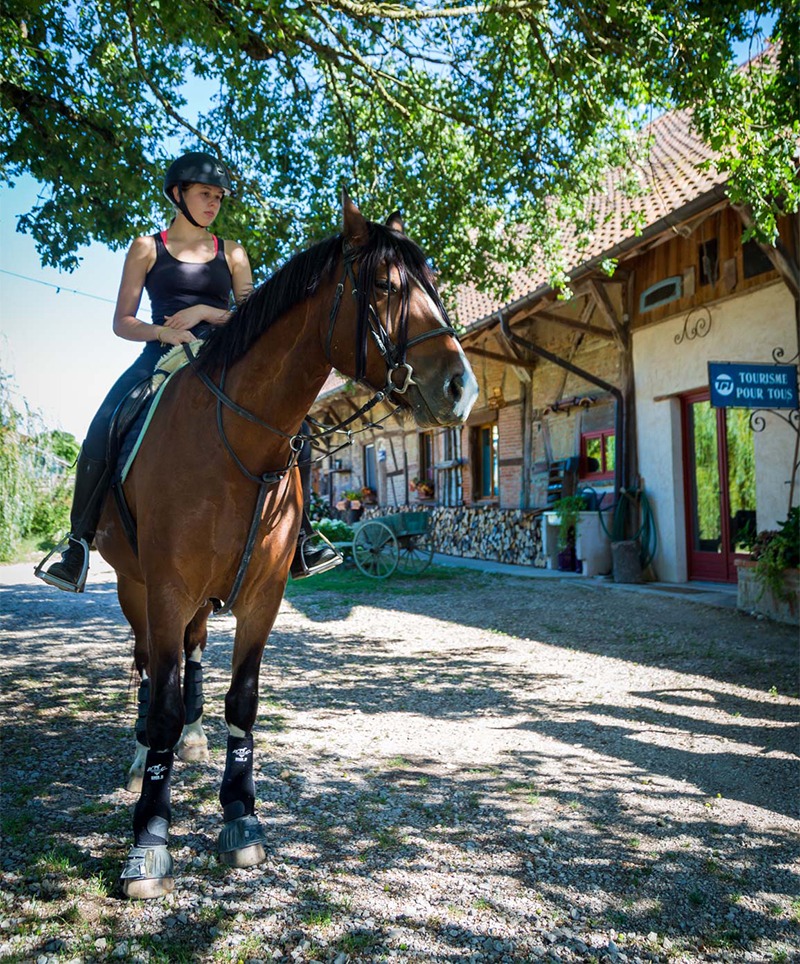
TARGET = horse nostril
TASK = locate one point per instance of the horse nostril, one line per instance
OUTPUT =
(456, 387)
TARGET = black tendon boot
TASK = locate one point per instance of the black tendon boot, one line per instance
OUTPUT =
(91, 485)
(242, 838)
(148, 866)
(314, 553)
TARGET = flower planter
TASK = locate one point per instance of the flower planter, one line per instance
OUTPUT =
(753, 597)
(592, 545)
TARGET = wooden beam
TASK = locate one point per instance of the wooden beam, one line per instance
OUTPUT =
(780, 258)
(575, 323)
(606, 309)
(496, 356)
(522, 373)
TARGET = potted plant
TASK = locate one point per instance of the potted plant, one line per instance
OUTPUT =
(368, 495)
(350, 505)
(768, 581)
(423, 487)
(568, 511)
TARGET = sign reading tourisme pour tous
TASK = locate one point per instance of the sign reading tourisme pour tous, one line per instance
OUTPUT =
(750, 385)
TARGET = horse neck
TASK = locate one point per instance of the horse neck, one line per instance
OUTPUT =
(281, 375)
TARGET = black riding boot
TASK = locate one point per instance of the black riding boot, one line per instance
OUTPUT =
(91, 485)
(314, 553)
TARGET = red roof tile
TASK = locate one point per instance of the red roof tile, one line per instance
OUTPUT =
(670, 179)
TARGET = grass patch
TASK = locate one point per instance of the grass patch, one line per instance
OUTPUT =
(351, 583)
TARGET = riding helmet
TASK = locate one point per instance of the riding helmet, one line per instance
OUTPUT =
(197, 168)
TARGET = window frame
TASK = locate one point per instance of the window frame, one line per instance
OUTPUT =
(478, 462)
(604, 474)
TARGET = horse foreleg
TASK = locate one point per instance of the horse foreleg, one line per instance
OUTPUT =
(132, 602)
(242, 839)
(193, 745)
(148, 867)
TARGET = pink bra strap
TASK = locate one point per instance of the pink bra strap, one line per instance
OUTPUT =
(164, 238)
(216, 244)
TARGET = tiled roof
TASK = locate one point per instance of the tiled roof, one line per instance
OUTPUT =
(333, 383)
(670, 178)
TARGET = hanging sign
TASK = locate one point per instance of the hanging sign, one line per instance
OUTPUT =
(750, 385)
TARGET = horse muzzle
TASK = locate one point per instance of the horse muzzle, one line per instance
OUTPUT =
(444, 396)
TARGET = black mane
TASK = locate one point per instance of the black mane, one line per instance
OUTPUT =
(300, 278)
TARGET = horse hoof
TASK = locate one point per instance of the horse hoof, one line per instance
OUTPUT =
(244, 857)
(134, 783)
(193, 752)
(241, 842)
(148, 889)
(147, 873)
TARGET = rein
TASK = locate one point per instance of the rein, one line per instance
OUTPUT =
(394, 356)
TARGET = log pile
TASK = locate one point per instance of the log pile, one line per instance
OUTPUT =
(512, 536)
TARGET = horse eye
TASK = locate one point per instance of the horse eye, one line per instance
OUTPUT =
(385, 285)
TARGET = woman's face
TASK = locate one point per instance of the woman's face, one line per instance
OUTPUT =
(203, 201)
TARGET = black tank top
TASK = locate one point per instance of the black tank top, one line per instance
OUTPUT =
(172, 284)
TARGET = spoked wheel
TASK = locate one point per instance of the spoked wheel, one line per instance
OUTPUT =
(375, 550)
(416, 553)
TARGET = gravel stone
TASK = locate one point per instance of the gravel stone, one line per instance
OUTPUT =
(461, 767)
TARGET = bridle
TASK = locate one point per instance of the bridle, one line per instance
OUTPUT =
(394, 354)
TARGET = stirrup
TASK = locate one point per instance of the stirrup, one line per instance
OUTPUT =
(305, 570)
(56, 581)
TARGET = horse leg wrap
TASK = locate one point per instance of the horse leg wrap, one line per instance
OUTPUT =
(141, 715)
(238, 791)
(193, 690)
(152, 814)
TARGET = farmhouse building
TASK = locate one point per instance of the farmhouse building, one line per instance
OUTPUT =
(607, 394)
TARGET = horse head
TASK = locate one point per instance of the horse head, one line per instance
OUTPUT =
(389, 329)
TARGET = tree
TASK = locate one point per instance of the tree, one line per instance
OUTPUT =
(474, 118)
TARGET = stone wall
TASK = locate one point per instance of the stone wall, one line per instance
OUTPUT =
(501, 535)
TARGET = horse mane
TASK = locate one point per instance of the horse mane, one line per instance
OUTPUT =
(300, 278)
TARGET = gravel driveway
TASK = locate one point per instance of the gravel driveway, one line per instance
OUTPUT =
(463, 767)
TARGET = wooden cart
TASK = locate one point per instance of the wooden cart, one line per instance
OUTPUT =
(399, 542)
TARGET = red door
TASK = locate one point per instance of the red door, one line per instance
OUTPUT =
(719, 480)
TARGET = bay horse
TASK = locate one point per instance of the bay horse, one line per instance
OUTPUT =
(225, 438)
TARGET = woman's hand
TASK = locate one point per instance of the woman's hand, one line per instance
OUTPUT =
(187, 318)
(174, 336)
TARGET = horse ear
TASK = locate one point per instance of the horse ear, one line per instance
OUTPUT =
(395, 222)
(354, 224)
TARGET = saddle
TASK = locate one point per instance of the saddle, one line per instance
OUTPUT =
(130, 422)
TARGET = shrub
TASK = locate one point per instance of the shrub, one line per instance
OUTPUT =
(334, 529)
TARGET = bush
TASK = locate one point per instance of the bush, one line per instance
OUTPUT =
(776, 551)
(334, 529)
(50, 516)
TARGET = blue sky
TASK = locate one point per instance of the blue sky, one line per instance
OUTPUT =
(58, 346)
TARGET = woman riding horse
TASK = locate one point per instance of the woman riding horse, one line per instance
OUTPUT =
(189, 275)
(225, 431)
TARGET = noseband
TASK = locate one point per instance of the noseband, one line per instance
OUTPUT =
(393, 354)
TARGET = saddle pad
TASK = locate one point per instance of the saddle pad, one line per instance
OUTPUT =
(172, 362)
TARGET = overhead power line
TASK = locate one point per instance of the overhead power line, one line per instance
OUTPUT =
(59, 288)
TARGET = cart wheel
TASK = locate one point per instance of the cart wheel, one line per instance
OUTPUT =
(375, 550)
(416, 553)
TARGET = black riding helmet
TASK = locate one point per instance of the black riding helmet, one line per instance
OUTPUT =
(195, 168)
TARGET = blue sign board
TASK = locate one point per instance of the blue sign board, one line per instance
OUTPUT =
(746, 385)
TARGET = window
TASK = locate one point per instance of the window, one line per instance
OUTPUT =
(370, 467)
(709, 262)
(485, 461)
(660, 293)
(754, 260)
(598, 454)
(449, 485)
(426, 456)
